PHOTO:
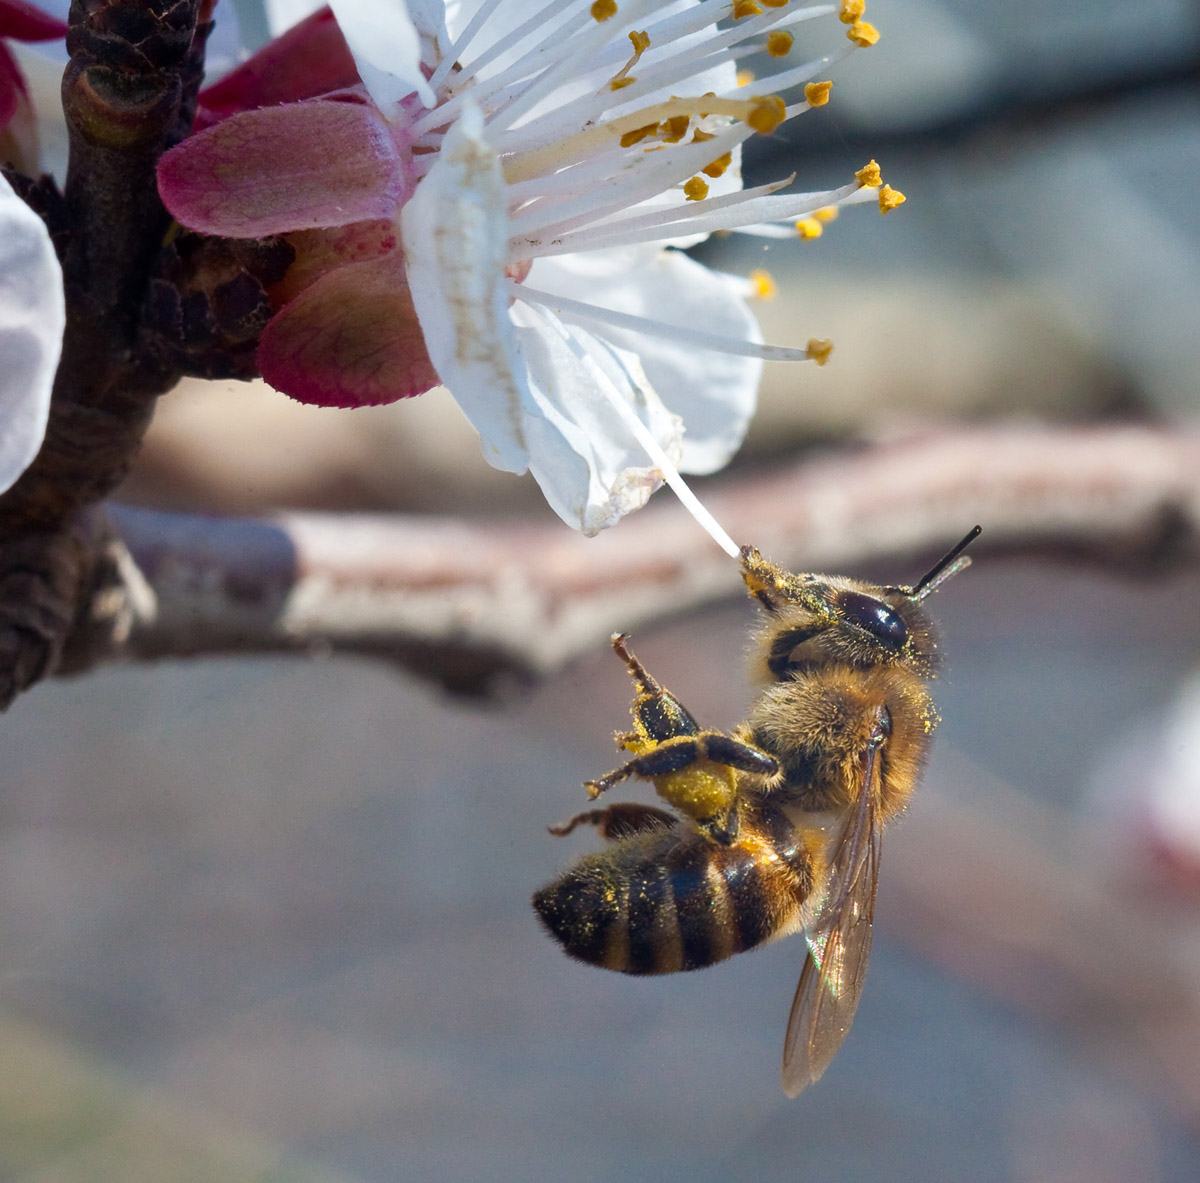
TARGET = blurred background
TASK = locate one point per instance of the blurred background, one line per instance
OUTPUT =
(268, 918)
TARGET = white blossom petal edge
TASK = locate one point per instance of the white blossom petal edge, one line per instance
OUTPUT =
(553, 399)
(32, 317)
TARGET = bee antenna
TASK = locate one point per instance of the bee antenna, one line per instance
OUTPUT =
(949, 565)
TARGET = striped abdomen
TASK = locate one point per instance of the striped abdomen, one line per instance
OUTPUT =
(671, 900)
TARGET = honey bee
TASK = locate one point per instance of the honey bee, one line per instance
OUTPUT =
(776, 825)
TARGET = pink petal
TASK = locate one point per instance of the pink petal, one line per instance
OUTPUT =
(327, 248)
(350, 340)
(310, 59)
(318, 163)
(25, 22)
(12, 87)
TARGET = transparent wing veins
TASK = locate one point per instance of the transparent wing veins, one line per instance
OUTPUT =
(839, 937)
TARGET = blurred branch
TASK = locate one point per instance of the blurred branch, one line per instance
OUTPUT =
(1015, 105)
(475, 606)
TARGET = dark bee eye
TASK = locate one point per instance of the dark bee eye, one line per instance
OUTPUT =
(874, 616)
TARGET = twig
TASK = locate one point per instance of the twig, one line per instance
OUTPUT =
(475, 605)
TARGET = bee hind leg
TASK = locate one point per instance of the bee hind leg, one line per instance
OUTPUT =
(619, 820)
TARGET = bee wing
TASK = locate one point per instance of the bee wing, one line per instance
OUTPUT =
(839, 942)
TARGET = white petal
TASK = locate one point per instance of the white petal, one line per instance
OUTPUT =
(714, 393)
(584, 456)
(455, 235)
(32, 316)
(385, 37)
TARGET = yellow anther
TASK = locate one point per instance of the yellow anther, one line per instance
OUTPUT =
(826, 214)
(717, 167)
(745, 77)
(851, 11)
(818, 350)
(863, 33)
(763, 285)
(889, 198)
(603, 10)
(699, 137)
(743, 8)
(869, 175)
(622, 78)
(779, 43)
(639, 133)
(768, 113)
(696, 189)
(674, 129)
(809, 228)
(773, 3)
(816, 94)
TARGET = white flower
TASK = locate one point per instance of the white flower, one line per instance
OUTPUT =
(32, 317)
(562, 148)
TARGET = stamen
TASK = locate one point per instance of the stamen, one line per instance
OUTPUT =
(576, 311)
(869, 176)
(460, 43)
(819, 350)
(851, 10)
(890, 198)
(717, 213)
(621, 79)
(863, 33)
(779, 43)
(762, 285)
(816, 94)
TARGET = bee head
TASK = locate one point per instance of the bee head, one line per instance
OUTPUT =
(820, 620)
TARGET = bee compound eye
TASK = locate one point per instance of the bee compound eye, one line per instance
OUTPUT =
(875, 617)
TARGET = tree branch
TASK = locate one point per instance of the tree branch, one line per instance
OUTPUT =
(475, 606)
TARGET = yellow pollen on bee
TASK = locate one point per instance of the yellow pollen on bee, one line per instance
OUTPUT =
(716, 168)
(818, 350)
(743, 8)
(869, 175)
(890, 198)
(745, 77)
(851, 11)
(603, 10)
(809, 228)
(696, 189)
(863, 33)
(779, 43)
(768, 113)
(763, 285)
(826, 214)
(816, 94)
